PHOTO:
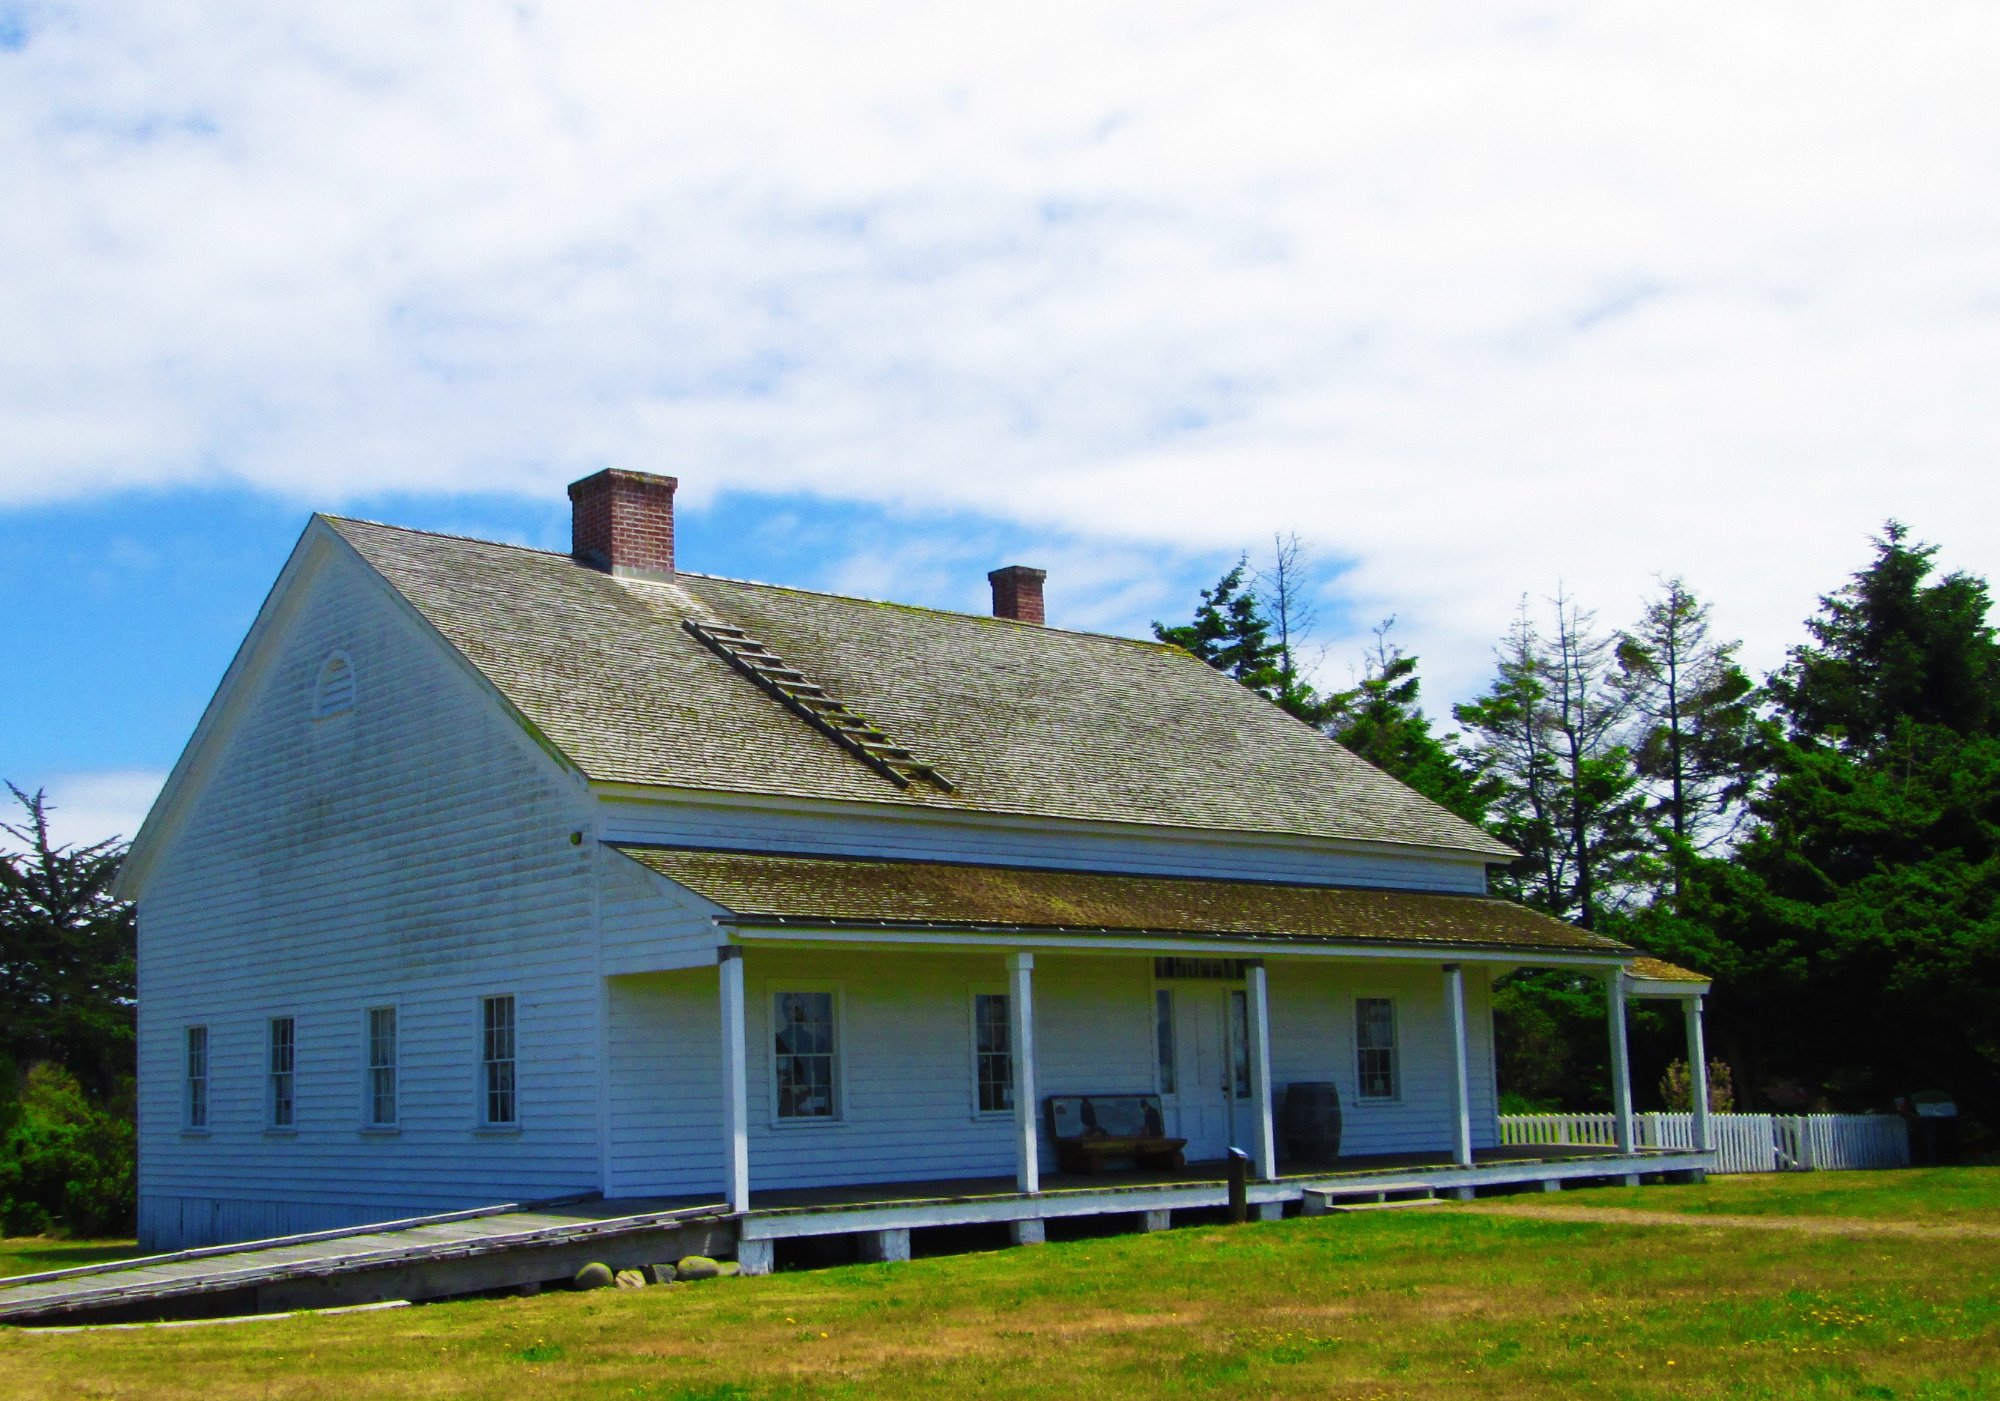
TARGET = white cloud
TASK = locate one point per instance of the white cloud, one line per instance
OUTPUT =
(1475, 297)
(86, 808)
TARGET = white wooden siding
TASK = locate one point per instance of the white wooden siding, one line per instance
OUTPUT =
(922, 836)
(1312, 1038)
(908, 1111)
(649, 923)
(414, 850)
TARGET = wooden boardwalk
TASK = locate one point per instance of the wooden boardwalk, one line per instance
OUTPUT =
(526, 1245)
(424, 1257)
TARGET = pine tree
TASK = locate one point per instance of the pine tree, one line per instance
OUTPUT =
(1549, 729)
(67, 952)
(1382, 719)
(1855, 930)
(1695, 710)
(1232, 634)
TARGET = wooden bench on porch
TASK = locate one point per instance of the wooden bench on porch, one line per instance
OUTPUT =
(1094, 1132)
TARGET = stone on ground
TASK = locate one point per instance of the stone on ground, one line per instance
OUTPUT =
(697, 1267)
(631, 1279)
(595, 1275)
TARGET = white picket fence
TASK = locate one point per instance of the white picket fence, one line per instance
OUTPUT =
(1743, 1142)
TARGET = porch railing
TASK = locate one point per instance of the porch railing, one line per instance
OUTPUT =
(1742, 1142)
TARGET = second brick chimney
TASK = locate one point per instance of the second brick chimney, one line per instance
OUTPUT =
(623, 523)
(1017, 593)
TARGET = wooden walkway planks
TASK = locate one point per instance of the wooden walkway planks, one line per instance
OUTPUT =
(324, 1256)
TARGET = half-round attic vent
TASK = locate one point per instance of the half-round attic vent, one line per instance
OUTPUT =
(334, 695)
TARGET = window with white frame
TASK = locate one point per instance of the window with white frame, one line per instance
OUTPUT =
(993, 1052)
(1375, 1047)
(381, 1086)
(1163, 1038)
(496, 1059)
(195, 1105)
(282, 1060)
(805, 1055)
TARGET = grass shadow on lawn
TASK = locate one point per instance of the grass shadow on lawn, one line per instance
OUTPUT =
(27, 1255)
(1436, 1303)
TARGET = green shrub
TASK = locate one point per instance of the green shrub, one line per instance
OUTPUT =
(66, 1164)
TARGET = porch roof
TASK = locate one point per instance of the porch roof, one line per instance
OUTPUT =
(836, 892)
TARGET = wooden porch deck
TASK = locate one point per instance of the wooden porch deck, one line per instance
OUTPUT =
(512, 1246)
(885, 1213)
(1211, 1172)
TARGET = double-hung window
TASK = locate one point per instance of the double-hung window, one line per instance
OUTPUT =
(380, 1089)
(993, 1052)
(496, 1060)
(805, 1055)
(1375, 1047)
(195, 1107)
(283, 1054)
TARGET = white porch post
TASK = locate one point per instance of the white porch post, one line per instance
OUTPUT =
(735, 1079)
(1264, 1138)
(1021, 1029)
(1461, 1075)
(1621, 1068)
(1697, 1072)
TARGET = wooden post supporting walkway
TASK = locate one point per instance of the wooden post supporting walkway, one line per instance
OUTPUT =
(1461, 1086)
(735, 1079)
(1263, 1133)
(1621, 1060)
(1021, 1028)
(1697, 1073)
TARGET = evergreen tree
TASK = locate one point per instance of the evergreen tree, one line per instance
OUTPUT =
(1602, 806)
(1232, 634)
(67, 952)
(1382, 720)
(1695, 710)
(1855, 933)
(1509, 725)
(1893, 650)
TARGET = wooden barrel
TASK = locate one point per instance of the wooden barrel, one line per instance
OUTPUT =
(1312, 1121)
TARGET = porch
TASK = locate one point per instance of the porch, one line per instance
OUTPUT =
(890, 1220)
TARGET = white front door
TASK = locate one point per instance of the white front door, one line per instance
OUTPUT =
(1213, 1068)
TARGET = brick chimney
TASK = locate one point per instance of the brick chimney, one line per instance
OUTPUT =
(1017, 593)
(623, 523)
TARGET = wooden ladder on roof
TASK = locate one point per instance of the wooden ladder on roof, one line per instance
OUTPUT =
(799, 694)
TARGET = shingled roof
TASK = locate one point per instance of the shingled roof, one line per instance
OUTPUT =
(1023, 719)
(835, 892)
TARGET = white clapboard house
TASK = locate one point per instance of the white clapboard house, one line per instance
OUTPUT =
(492, 874)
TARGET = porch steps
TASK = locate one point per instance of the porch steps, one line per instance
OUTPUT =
(808, 700)
(1342, 1208)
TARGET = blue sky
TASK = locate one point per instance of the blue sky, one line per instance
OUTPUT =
(1481, 303)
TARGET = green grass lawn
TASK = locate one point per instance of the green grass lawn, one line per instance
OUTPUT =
(1920, 1194)
(1444, 1301)
(27, 1255)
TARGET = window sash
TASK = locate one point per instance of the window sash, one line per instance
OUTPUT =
(381, 1066)
(1375, 1047)
(804, 1055)
(496, 1037)
(993, 1052)
(1239, 1042)
(197, 1077)
(1163, 1038)
(284, 1049)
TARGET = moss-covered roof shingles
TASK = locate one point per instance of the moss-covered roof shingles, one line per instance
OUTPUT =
(1023, 719)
